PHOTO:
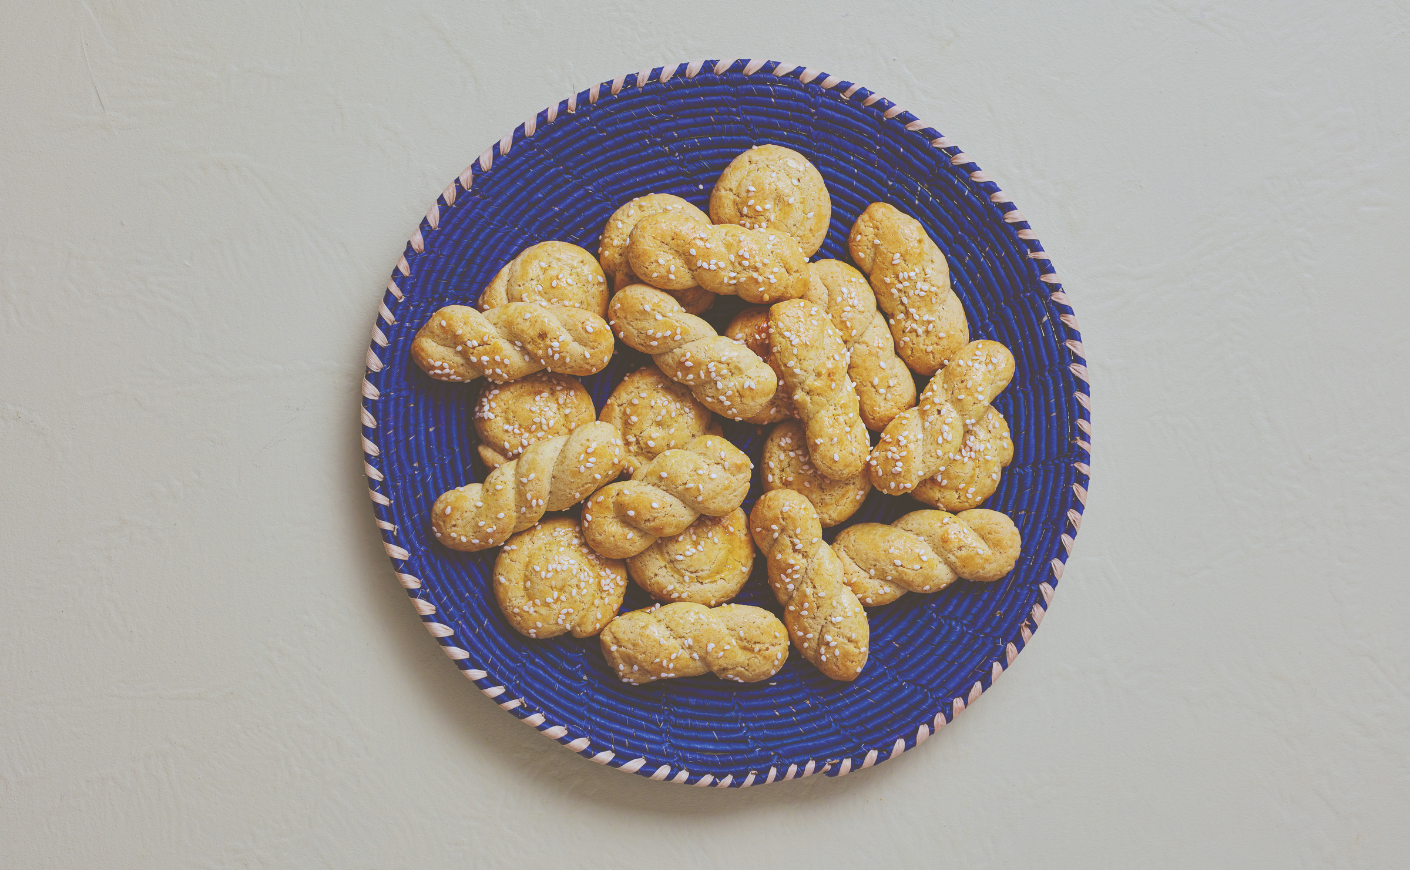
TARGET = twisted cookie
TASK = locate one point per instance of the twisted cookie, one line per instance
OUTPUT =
(772, 187)
(813, 361)
(884, 384)
(968, 480)
(708, 476)
(612, 249)
(824, 617)
(655, 414)
(925, 551)
(551, 475)
(735, 642)
(509, 417)
(724, 375)
(953, 426)
(674, 250)
(554, 273)
(972, 473)
(912, 284)
(548, 582)
(786, 466)
(705, 564)
(517, 339)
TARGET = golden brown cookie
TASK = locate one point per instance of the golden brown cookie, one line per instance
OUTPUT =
(655, 414)
(813, 359)
(511, 342)
(705, 564)
(912, 283)
(770, 187)
(551, 475)
(973, 473)
(825, 620)
(925, 551)
(708, 476)
(952, 427)
(612, 249)
(554, 273)
(724, 375)
(509, 417)
(750, 327)
(884, 384)
(673, 250)
(970, 474)
(786, 466)
(734, 642)
(549, 582)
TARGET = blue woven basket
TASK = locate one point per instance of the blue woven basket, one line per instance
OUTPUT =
(672, 130)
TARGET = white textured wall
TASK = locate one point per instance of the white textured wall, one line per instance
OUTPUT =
(208, 663)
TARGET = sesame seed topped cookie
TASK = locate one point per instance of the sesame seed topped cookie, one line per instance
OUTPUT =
(509, 417)
(770, 187)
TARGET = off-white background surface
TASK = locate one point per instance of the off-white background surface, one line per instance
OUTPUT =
(207, 661)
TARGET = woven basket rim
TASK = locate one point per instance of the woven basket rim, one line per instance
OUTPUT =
(500, 690)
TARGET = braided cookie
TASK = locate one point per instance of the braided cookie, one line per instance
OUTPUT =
(750, 327)
(772, 187)
(786, 466)
(655, 414)
(912, 284)
(925, 551)
(972, 473)
(884, 384)
(725, 376)
(705, 564)
(551, 475)
(554, 273)
(513, 341)
(708, 476)
(673, 250)
(824, 617)
(509, 417)
(734, 642)
(612, 249)
(813, 360)
(953, 426)
(548, 582)
(968, 481)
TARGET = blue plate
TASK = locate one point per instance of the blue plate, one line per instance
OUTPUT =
(559, 176)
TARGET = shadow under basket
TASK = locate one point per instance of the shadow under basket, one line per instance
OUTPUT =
(673, 130)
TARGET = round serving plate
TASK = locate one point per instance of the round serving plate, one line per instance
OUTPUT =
(672, 130)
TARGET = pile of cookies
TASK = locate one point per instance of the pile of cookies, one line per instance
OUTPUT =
(824, 354)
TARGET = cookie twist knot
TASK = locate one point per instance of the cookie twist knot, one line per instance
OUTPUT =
(925, 551)
(708, 476)
(512, 341)
(555, 273)
(825, 619)
(774, 188)
(952, 427)
(724, 375)
(550, 475)
(912, 283)
(734, 642)
(813, 359)
(548, 582)
(707, 564)
(674, 250)
(612, 247)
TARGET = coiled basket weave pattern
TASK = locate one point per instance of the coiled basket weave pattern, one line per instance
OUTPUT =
(672, 130)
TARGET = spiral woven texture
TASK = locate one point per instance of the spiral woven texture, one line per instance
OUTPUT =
(672, 130)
